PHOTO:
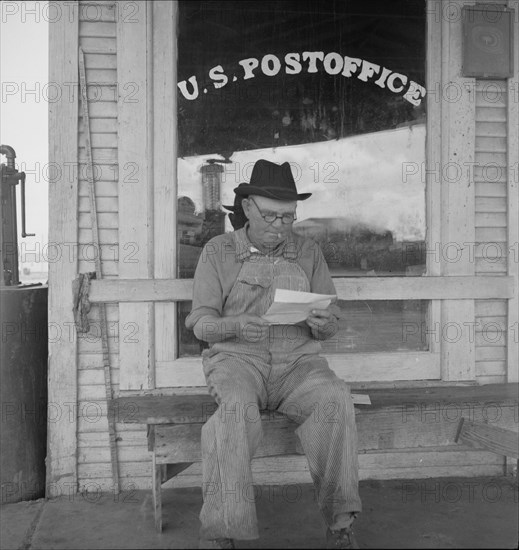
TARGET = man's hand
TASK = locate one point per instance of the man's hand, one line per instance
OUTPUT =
(323, 322)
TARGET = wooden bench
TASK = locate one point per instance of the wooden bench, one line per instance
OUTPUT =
(395, 417)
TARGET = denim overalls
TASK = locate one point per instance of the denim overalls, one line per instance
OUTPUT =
(282, 372)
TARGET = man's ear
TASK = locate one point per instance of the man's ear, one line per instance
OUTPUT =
(245, 205)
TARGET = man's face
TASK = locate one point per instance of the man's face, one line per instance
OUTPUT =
(261, 231)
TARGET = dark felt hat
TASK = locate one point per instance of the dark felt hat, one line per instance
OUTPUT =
(271, 180)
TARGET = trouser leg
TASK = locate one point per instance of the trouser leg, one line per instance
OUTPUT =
(321, 403)
(229, 440)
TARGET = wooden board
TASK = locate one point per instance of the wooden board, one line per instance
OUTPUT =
(63, 199)
(181, 443)
(457, 211)
(405, 464)
(498, 440)
(198, 408)
(351, 367)
(379, 430)
(164, 170)
(136, 357)
(513, 205)
(354, 288)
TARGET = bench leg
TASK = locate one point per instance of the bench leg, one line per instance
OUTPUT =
(160, 474)
(157, 475)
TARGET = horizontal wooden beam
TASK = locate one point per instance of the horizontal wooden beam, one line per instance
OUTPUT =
(349, 288)
(446, 402)
(425, 288)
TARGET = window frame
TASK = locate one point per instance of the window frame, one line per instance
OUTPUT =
(377, 366)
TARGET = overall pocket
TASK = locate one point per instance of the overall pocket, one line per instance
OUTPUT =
(250, 294)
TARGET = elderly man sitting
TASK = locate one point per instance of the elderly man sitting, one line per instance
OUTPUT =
(251, 363)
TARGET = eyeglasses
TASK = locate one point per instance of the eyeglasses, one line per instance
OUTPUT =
(271, 217)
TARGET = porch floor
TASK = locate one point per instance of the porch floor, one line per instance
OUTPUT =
(426, 513)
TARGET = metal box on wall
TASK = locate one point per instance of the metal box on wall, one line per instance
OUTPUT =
(487, 41)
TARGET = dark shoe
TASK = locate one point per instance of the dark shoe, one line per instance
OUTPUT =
(341, 539)
(216, 543)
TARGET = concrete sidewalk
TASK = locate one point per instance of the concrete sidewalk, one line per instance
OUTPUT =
(431, 513)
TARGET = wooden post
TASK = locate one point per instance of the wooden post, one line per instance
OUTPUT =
(135, 206)
(453, 252)
(63, 223)
(165, 173)
(512, 339)
(433, 158)
(157, 496)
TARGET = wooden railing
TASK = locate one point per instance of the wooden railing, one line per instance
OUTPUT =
(354, 288)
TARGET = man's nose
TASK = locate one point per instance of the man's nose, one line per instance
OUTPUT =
(277, 223)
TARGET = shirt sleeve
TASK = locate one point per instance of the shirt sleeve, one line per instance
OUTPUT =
(207, 290)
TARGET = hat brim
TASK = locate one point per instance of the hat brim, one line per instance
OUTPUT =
(275, 193)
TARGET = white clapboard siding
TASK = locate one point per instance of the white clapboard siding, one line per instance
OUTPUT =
(89, 252)
(99, 140)
(103, 171)
(107, 188)
(491, 210)
(98, 19)
(104, 220)
(110, 236)
(98, 11)
(97, 32)
(96, 392)
(95, 377)
(99, 154)
(91, 420)
(95, 361)
(99, 44)
(491, 234)
(102, 125)
(104, 109)
(93, 347)
(96, 29)
(103, 204)
(100, 439)
(101, 76)
(490, 353)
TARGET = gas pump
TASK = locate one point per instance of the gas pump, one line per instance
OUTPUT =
(10, 177)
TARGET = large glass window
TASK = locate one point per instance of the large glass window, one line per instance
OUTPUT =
(335, 88)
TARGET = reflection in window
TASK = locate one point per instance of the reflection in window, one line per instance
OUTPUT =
(379, 325)
(337, 90)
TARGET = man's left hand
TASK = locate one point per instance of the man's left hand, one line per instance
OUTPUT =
(323, 322)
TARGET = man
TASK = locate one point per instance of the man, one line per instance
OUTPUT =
(276, 367)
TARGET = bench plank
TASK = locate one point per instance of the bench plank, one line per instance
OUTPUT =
(498, 440)
(178, 409)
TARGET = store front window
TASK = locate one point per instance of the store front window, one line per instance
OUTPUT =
(338, 90)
